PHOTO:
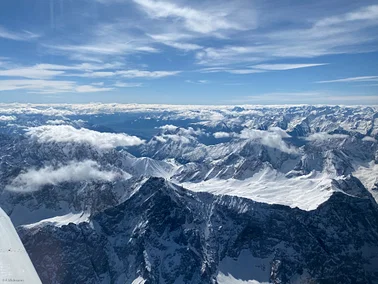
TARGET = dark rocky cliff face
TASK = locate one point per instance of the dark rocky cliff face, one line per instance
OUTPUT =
(164, 234)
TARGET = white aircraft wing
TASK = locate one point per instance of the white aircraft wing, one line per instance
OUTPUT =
(15, 264)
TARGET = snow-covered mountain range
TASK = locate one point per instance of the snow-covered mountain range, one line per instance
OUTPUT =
(104, 193)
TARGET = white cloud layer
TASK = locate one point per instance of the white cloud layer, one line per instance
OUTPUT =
(7, 118)
(221, 134)
(174, 137)
(168, 127)
(69, 134)
(311, 97)
(323, 136)
(34, 179)
(57, 121)
(271, 138)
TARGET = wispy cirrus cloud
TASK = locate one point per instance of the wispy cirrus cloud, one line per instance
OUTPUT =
(45, 78)
(259, 68)
(117, 42)
(41, 78)
(195, 20)
(82, 66)
(91, 89)
(243, 71)
(281, 67)
(368, 13)
(350, 32)
(229, 55)
(133, 73)
(104, 42)
(48, 86)
(178, 41)
(146, 74)
(97, 74)
(34, 72)
(120, 84)
(198, 82)
(104, 48)
(352, 80)
(48, 71)
(231, 70)
(37, 85)
(18, 36)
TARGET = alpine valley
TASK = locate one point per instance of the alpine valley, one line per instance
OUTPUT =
(113, 193)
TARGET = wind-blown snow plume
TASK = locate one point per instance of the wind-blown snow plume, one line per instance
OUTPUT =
(67, 134)
(34, 179)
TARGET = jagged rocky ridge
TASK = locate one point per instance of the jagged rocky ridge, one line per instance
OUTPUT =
(166, 234)
(278, 198)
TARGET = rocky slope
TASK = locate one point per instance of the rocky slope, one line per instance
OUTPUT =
(174, 194)
(166, 234)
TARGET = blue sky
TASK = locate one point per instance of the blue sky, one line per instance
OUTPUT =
(189, 52)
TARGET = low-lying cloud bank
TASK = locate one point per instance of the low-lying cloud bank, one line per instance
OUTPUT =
(7, 118)
(56, 122)
(67, 134)
(168, 127)
(221, 134)
(323, 136)
(34, 179)
(271, 138)
(179, 134)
